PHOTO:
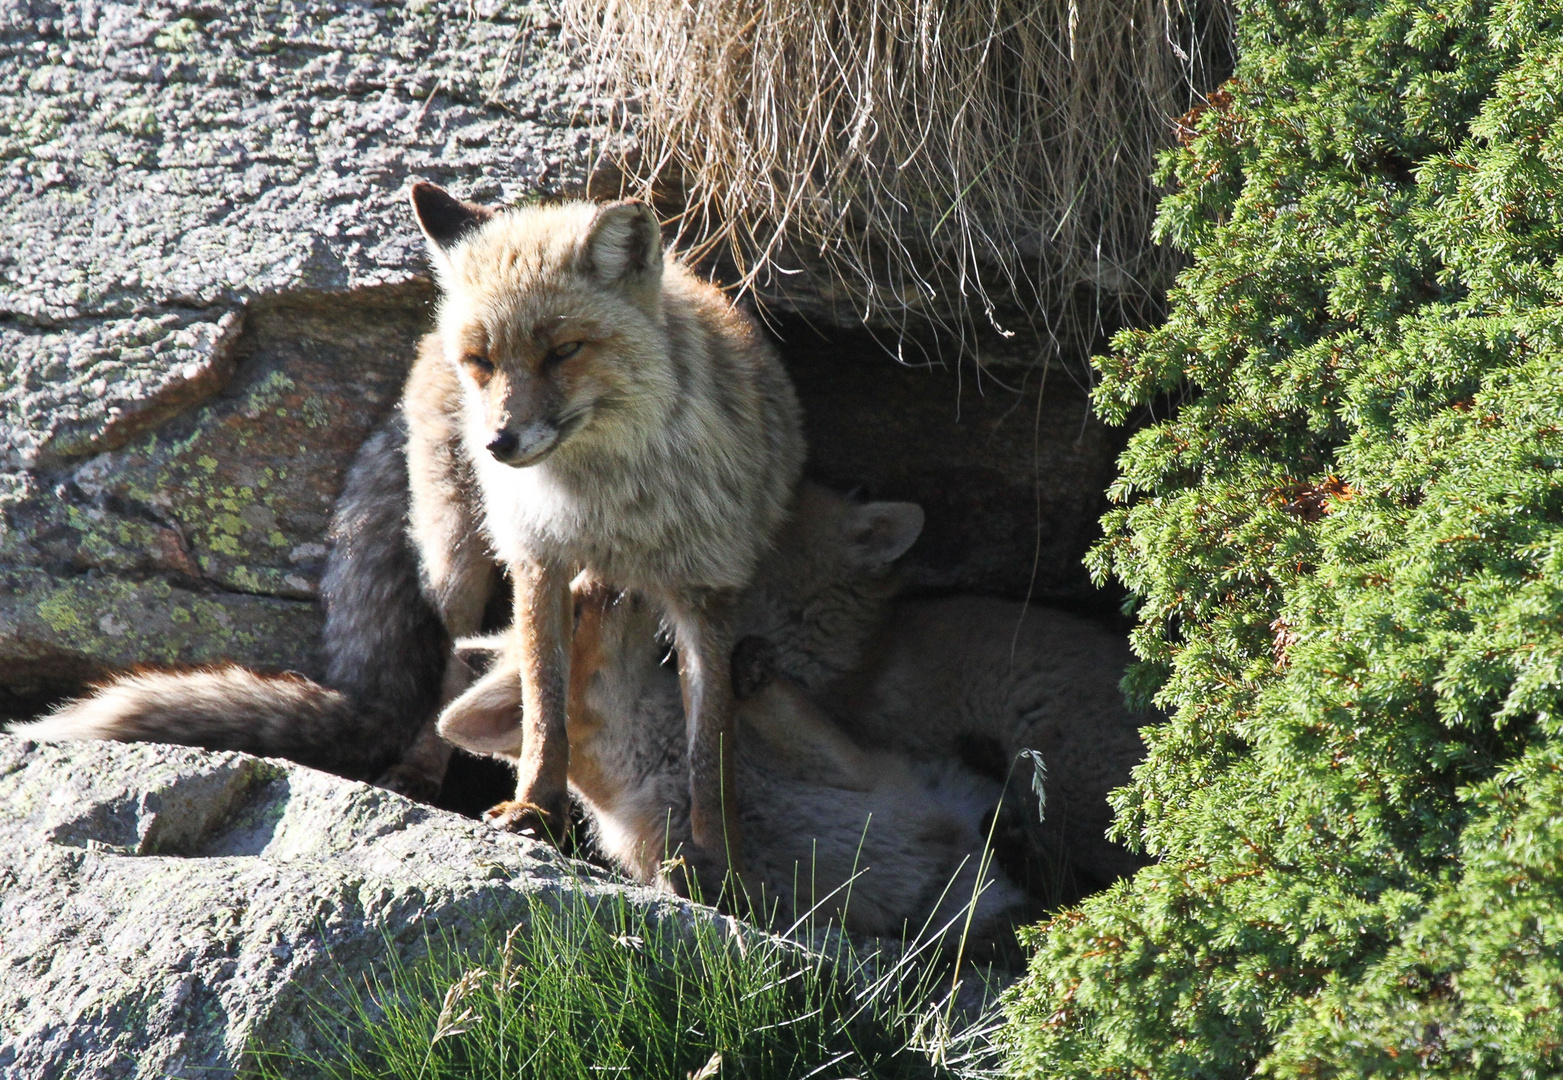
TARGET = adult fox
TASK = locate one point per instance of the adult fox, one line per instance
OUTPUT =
(621, 417)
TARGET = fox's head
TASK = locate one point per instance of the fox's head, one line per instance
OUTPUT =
(552, 316)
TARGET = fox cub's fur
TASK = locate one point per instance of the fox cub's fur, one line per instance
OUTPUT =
(622, 418)
(983, 679)
(868, 838)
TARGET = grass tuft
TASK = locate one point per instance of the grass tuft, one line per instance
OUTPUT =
(594, 986)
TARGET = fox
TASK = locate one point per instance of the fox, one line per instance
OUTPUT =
(981, 678)
(867, 839)
(984, 680)
(976, 678)
(621, 417)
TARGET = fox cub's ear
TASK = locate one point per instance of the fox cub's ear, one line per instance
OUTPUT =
(623, 245)
(445, 219)
(487, 718)
(879, 533)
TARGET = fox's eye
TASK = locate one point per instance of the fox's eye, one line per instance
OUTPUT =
(560, 353)
(480, 364)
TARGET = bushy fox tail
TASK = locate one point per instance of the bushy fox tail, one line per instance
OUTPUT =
(383, 644)
(226, 707)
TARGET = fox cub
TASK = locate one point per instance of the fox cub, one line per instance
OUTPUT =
(981, 679)
(870, 839)
(623, 419)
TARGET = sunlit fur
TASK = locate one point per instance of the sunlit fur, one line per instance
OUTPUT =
(679, 437)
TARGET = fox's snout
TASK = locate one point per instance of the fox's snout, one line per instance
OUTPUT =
(524, 446)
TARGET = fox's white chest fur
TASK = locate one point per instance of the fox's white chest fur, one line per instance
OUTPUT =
(683, 497)
(637, 532)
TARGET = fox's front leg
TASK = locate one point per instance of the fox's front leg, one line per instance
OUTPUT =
(543, 628)
(703, 630)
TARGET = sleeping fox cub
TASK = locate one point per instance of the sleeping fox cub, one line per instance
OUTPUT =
(870, 839)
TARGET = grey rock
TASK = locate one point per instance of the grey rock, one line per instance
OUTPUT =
(163, 910)
(162, 164)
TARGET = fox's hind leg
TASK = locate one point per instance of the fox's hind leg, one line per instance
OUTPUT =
(461, 597)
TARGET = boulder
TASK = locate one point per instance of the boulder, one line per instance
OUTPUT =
(164, 910)
(210, 288)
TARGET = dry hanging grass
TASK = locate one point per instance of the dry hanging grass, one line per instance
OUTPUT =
(968, 162)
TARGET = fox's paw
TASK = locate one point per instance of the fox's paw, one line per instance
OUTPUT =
(411, 781)
(530, 819)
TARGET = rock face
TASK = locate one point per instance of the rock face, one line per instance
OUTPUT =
(162, 907)
(210, 289)
(167, 163)
(204, 537)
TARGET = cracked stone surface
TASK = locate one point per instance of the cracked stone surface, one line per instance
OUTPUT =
(162, 907)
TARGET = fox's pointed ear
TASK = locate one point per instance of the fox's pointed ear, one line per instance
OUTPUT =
(879, 533)
(623, 245)
(445, 220)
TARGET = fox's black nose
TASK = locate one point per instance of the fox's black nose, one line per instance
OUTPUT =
(503, 445)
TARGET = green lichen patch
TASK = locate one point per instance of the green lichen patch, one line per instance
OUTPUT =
(248, 479)
(121, 622)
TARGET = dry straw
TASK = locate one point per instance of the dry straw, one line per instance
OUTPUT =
(968, 162)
